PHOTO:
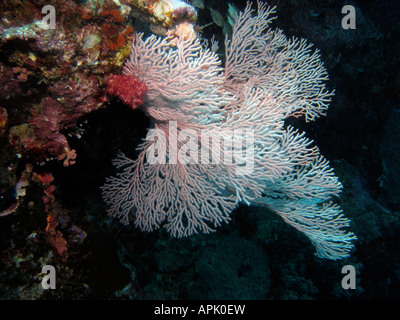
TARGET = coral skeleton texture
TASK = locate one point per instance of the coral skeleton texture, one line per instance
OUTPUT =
(191, 99)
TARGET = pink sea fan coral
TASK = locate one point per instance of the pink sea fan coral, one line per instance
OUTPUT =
(267, 78)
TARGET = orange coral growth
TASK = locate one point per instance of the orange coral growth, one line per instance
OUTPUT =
(112, 40)
(46, 178)
(3, 120)
(114, 14)
(55, 237)
(121, 39)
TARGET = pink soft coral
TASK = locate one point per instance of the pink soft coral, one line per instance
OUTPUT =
(128, 88)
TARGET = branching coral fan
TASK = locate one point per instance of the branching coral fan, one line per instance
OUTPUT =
(191, 100)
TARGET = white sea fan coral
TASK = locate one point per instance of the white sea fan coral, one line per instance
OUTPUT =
(257, 160)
